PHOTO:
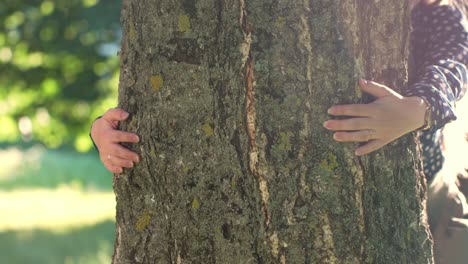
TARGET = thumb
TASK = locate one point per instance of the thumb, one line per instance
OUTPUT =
(376, 89)
(115, 114)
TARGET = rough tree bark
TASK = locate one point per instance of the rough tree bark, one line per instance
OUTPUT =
(229, 97)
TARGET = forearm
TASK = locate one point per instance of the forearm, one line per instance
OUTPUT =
(439, 45)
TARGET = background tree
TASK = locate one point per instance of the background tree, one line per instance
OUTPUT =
(59, 69)
(229, 98)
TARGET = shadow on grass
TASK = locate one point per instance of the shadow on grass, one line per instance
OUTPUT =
(87, 245)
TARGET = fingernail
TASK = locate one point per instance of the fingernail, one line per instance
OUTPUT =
(119, 170)
(137, 139)
(330, 111)
(326, 124)
(357, 153)
(131, 164)
(136, 159)
(335, 137)
(124, 115)
(363, 81)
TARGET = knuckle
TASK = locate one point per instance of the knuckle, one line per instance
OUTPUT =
(354, 123)
(129, 137)
(114, 162)
(109, 112)
(350, 136)
(115, 135)
(361, 110)
(124, 154)
(346, 111)
(126, 164)
(344, 136)
(343, 110)
(122, 151)
(336, 125)
(109, 167)
(378, 111)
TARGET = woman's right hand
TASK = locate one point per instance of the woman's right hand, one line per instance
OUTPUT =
(107, 137)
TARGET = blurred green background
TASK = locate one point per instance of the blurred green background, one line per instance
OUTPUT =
(58, 72)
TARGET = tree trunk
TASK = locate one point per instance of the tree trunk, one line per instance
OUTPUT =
(229, 97)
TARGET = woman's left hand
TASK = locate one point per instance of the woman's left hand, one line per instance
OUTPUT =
(380, 122)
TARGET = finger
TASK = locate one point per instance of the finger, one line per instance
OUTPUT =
(116, 161)
(115, 114)
(351, 110)
(358, 123)
(358, 136)
(123, 153)
(112, 168)
(370, 147)
(376, 89)
(122, 136)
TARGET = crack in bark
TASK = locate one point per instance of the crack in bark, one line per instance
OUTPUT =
(328, 245)
(361, 172)
(248, 63)
(305, 41)
(117, 243)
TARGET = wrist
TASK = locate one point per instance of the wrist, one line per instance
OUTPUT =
(420, 110)
(91, 134)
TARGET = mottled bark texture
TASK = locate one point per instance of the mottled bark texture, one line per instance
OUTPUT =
(229, 97)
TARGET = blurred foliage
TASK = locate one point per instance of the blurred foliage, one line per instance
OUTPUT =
(59, 69)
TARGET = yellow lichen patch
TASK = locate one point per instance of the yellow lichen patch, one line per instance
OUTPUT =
(170, 133)
(208, 130)
(284, 141)
(233, 183)
(184, 23)
(280, 21)
(153, 153)
(274, 244)
(359, 70)
(143, 221)
(195, 204)
(327, 244)
(357, 91)
(156, 82)
(133, 123)
(132, 32)
(329, 164)
(283, 259)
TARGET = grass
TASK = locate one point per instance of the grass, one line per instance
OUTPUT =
(56, 207)
(55, 210)
(86, 245)
(39, 167)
